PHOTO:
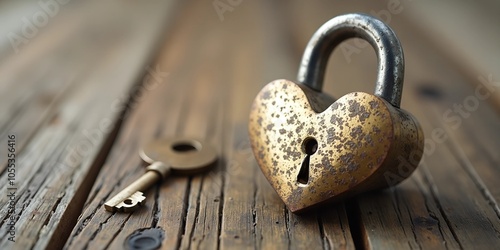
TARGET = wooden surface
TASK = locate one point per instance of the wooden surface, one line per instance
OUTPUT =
(100, 80)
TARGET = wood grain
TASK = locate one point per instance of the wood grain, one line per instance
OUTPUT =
(233, 206)
(69, 121)
(414, 214)
(466, 34)
(95, 59)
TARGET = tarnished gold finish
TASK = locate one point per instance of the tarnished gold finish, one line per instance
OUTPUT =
(363, 142)
(184, 155)
(313, 149)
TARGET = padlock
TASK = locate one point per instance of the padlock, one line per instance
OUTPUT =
(313, 149)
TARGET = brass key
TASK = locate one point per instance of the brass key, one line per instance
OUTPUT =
(178, 155)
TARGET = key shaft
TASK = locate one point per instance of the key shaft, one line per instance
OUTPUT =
(155, 172)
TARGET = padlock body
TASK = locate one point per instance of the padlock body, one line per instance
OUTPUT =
(361, 143)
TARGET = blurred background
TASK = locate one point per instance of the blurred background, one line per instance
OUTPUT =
(464, 31)
(57, 33)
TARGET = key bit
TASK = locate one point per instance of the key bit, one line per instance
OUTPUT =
(129, 204)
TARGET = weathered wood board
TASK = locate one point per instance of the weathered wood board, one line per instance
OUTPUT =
(193, 68)
(63, 93)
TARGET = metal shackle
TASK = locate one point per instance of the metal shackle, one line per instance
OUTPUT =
(389, 85)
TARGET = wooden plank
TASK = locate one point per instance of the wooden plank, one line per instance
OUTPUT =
(31, 22)
(412, 214)
(54, 169)
(271, 217)
(466, 33)
(467, 221)
(238, 208)
(207, 93)
(241, 228)
(202, 220)
(468, 212)
(213, 210)
(476, 143)
(174, 104)
(475, 218)
(29, 88)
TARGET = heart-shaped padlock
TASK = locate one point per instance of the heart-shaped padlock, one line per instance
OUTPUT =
(313, 149)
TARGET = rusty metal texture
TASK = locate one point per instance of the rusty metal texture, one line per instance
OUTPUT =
(390, 78)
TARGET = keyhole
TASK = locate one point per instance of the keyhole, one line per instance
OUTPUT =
(309, 146)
